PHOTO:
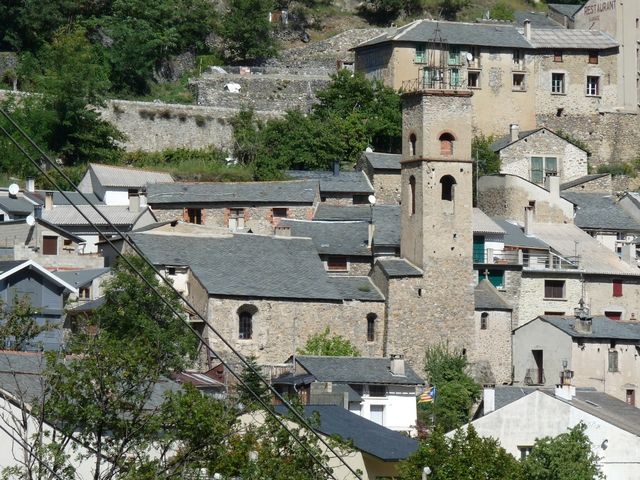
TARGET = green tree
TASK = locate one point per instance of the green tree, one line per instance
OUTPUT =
(463, 456)
(569, 456)
(246, 30)
(246, 129)
(19, 323)
(447, 9)
(456, 391)
(502, 11)
(328, 345)
(253, 386)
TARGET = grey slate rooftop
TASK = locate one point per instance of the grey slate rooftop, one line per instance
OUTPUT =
(58, 199)
(7, 265)
(602, 328)
(515, 237)
(333, 238)
(344, 182)
(365, 435)
(245, 265)
(274, 193)
(356, 370)
(383, 161)
(80, 278)
(124, 177)
(487, 297)
(565, 9)
(343, 212)
(537, 19)
(482, 223)
(600, 211)
(505, 141)
(572, 39)
(67, 215)
(386, 219)
(357, 288)
(581, 180)
(16, 206)
(398, 267)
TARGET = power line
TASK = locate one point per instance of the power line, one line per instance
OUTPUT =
(299, 417)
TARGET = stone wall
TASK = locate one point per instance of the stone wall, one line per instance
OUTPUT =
(532, 302)
(600, 299)
(387, 188)
(493, 344)
(599, 185)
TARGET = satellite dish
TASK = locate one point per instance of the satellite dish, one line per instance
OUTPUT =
(31, 220)
(372, 199)
(14, 189)
(368, 149)
(470, 56)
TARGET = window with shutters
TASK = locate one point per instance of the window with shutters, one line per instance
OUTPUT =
(337, 263)
(593, 86)
(236, 219)
(194, 215)
(554, 289)
(617, 288)
(542, 167)
(49, 245)
(613, 361)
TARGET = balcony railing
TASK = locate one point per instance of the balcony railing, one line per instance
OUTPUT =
(536, 261)
(498, 257)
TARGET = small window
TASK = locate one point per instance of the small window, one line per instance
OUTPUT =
(631, 397)
(525, 451)
(518, 82)
(613, 315)
(245, 324)
(377, 391)
(171, 271)
(557, 83)
(67, 242)
(554, 289)
(421, 53)
(554, 314)
(446, 144)
(84, 293)
(279, 212)
(360, 199)
(617, 288)
(593, 86)
(412, 144)
(542, 167)
(448, 185)
(473, 79)
(337, 263)
(518, 60)
(236, 219)
(484, 320)
(371, 327)
(557, 56)
(412, 188)
(194, 215)
(49, 245)
(593, 58)
(613, 361)
(454, 56)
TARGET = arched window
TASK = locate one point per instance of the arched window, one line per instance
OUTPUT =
(484, 320)
(245, 321)
(446, 144)
(412, 192)
(371, 327)
(412, 144)
(448, 185)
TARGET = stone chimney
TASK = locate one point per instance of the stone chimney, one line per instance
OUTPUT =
(527, 29)
(397, 365)
(283, 231)
(565, 392)
(31, 184)
(48, 201)
(134, 202)
(514, 129)
(628, 253)
(583, 322)
(488, 399)
(553, 185)
(528, 220)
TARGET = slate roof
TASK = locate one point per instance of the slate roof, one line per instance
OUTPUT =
(357, 288)
(482, 223)
(333, 238)
(581, 180)
(356, 370)
(67, 215)
(245, 265)
(505, 141)
(602, 328)
(383, 161)
(61, 231)
(398, 267)
(112, 176)
(58, 199)
(515, 237)
(538, 20)
(343, 212)
(597, 211)
(487, 297)
(386, 219)
(365, 435)
(344, 182)
(7, 265)
(506, 394)
(202, 193)
(16, 206)
(89, 306)
(565, 9)
(80, 278)
(455, 33)
(572, 39)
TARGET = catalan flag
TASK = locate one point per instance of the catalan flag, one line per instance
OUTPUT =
(427, 395)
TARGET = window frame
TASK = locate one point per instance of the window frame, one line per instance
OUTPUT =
(46, 244)
(245, 325)
(420, 53)
(551, 291)
(593, 57)
(537, 175)
(593, 89)
(520, 87)
(334, 266)
(617, 288)
(558, 83)
(195, 215)
(371, 327)
(237, 215)
(377, 391)
(276, 212)
(476, 76)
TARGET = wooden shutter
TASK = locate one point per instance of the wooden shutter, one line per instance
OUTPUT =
(49, 245)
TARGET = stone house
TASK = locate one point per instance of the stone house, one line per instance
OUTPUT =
(535, 71)
(597, 182)
(383, 171)
(588, 351)
(535, 154)
(613, 427)
(88, 282)
(249, 206)
(338, 187)
(379, 389)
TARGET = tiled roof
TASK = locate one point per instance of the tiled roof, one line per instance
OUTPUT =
(565, 9)
(572, 39)
(602, 328)
(399, 267)
(344, 182)
(383, 161)
(80, 278)
(333, 238)
(597, 211)
(357, 288)
(112, 176)
(67, 215)
(487, 297)
(538, 20)
(365, 435)
(581, 180)
(356, 370)
(386, 219)
(515, 237)
(343, 212)
(456, 33)
(58, 199)
(482, 223)
(7, 265)
(245, 265)
(274, 193)
(17, 206)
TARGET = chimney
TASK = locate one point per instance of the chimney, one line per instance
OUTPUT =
(372, 229)
(583, 322)
(488, 399)
(134, 202)
(37, 211)
(336, 168)
(553, 185)
(283, 231)
(628, 253)
(527, 29)
(31, 184)
(48, 201)
(528, 220)
(514, 128)
(565, 392)
(397, 365)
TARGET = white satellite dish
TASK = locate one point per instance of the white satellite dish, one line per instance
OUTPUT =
(31, 220)
(470, 56)
(14, 189)
(372, 199)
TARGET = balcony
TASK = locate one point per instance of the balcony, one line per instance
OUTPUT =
(436, 78)
(533, 261)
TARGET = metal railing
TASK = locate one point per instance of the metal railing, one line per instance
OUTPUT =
(550, 260)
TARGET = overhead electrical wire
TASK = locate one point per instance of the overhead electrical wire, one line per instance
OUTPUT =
(297, 415)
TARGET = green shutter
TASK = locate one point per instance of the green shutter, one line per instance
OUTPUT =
(478, 249)
(421, 54)
(496, 277)
(454, 56)
(426, 78)
(551, 166)
(537, 169)
(455, 77)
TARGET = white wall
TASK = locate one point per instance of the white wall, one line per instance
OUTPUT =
(400, 411)
(116, 197)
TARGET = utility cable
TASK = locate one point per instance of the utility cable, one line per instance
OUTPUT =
(299, 417)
